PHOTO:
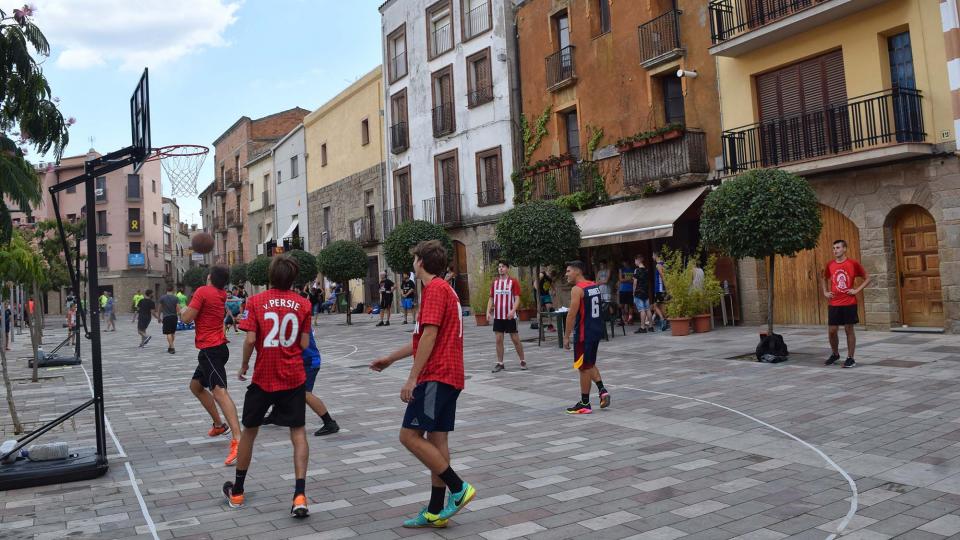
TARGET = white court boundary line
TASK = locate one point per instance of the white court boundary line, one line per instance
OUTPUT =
(133, 478)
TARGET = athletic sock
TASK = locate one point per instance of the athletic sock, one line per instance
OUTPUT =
(326, 418)
(436, 499)
(238, 483)
(300, 487)
(451, 479)
(600, 387)
(585, 399)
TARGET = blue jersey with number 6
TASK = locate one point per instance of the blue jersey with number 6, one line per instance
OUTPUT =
(589, 324)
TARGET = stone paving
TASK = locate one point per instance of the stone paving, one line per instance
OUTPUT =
(655, 465)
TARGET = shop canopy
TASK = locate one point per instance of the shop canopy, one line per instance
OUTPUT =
(642, 219)
(290, 229)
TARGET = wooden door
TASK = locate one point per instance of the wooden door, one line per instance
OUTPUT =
(798, 294)
(918, 264)
(460, 269)
(372, 283)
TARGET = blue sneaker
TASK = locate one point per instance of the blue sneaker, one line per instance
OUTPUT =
(425, 519)
(456, 501)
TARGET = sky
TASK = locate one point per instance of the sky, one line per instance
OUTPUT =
(210, 61)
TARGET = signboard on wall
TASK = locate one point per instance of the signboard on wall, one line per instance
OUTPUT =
(136, 259)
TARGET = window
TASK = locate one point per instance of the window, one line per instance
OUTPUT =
(133, 186)
(572, 133)
(323, 159)
(156, 253)
(447, 177)
(326, 219)
(489, 177)
(72, 218)
(133, 220)
(100, 188)
(279, 177)
(154, 218)
(250, 189)
(135, 247)
(101, 255)
(72, 189)
(443, 114)
(31, 220)
(402, 195)
(673, 111)
(364, 132)
(153, 185)
(477, 15)
(397, 54)
(399, 134)
(439, 28)
(259, 234)
(102, 222)
(167, 241)
(479, 79)
(294, 167)
(603, 12)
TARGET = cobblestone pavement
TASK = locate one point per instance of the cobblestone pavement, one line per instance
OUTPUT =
(655, 465)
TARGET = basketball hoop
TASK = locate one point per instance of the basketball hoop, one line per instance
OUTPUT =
(182, 163)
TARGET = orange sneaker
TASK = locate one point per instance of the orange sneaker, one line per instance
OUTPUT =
(216, 430)
(299, 507)
(232, 456)
(233, 501)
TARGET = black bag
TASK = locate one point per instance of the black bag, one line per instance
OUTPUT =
(772, 349)
(358, 309)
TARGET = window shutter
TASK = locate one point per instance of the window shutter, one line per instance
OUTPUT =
(768, 92)
(836, 83)
(483, 73)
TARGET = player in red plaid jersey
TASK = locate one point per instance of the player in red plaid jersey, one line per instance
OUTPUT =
(277, 323)
(435, 381)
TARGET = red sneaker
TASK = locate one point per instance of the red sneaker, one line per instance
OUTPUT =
(232, 456)
(216, 430)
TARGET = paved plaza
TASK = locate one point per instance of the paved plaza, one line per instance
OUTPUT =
(688, 449)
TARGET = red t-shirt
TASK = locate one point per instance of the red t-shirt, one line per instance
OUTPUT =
(503, 290)
(209, 302)
(278, 318)
(440, 307)
(841, 276)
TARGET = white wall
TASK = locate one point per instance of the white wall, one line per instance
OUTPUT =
(291, 192)
(478, 129)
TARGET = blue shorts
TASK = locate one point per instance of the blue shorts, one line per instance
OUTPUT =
(546, 299)
(433, 407)
(407, 303)
(311, 377)
(641, 303)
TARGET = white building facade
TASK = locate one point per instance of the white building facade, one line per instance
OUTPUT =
(260, 175)
(290, 179)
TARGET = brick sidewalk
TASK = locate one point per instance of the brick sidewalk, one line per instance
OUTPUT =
(651, 466)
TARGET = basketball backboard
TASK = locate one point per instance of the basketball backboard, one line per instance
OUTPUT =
(140, 121)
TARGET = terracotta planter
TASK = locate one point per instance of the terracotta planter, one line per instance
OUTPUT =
(625, 148)
(655, 139)
(672, 134)
(640, 143)
(482, 320)
(701, 323)
(526, 314)
(680, 326)
(566, 163)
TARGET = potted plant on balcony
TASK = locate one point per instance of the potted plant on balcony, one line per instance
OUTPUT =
(707, 296)
(480, 295)
(677, 278)
(672, 131)
(566, 159)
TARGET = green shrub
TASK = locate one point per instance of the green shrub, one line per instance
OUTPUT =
(397, 246)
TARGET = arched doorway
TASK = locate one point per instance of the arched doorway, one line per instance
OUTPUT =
(918, 267)
(460, 269)
(797, 291)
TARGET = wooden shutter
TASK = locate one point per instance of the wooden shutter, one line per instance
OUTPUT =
(483, 73)
(491, 175)
(836, 82)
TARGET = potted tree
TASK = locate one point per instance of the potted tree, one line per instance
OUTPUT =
(707, 296)
(677, 278)
(340, 261)
(481, 294)
(761, 214)
(528, 304)
(256, 272)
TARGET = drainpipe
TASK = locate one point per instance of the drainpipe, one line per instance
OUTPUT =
(516, 94)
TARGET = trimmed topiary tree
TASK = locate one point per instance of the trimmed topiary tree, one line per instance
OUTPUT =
(196, 277)
(238, 274)
(761, 214)
(342, 261)
(308, 267)
(401, 240)
(257, 270)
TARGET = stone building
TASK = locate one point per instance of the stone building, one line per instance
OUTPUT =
(856, 98)
(176, 241)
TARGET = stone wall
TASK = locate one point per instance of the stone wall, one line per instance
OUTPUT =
(346, 201)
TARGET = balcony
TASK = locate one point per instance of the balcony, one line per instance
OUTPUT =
(476, 21)
(219, 224)
(399, 139)
(873, 128)
(168, 248)
(560, 69)
(490, 197)
(445, 210)
(324, 239)
(552, 182)
(364, 230)
(443, 119)
(219, 188)
(672, 158)
(234, 218)
(660, 40)
(481, 95)
(740, 26)
(441, 39)
(396, 216)
(266, 198)
(232, 178)
(293, 242)
(398, 67)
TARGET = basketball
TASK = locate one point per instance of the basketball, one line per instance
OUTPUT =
(201, 242)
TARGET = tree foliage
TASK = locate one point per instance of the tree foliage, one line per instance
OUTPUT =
(538, 233)
(257, 270)
(51, 248)
(342, 261)
(407, 235)
(196, 277)
(308, 267)
(238, 274)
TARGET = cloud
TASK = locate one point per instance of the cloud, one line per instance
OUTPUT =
(134, 34)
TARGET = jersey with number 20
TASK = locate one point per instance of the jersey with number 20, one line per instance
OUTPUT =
(279, 318)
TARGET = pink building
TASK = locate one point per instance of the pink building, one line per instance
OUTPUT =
(129, 214)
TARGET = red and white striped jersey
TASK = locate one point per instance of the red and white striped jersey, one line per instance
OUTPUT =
(504, 290)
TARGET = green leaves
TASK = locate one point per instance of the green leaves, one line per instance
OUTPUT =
(308, 267)
(538, 232)
(401, 240)
(20, 262)
(342, 261)
(238, 274)
(196, 277)
(257, 270)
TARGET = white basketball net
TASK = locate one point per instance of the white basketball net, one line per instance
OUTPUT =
(182, 165)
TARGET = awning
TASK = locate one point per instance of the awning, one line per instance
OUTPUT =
(642, 219)
(290, 229)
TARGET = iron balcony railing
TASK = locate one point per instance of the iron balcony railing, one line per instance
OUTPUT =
(364, 230)
(560, 68)
(556, 181)
(444, 210)
(398, 138)
(398, 66)
(660, 39)
(292, 242)
(396, 216)
(885, 117)
(233, 257)
(442, 39)
(219, 188)
(234, 218)
(477, 21)
(490, 197)
(266, 197)
(443, 119)
(731, 18)
(324, 239)
(219, 224)
(671, 158)
(232, 178)
(481, 95)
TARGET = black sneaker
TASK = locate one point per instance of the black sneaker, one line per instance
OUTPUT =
(171, 350)
(849, 362)
(832, 360)
(640, 330)
(497, 368)
(580, 408)
(380, 323)
(404, 321)
(145, 341)
(387, 323)
(327, 429)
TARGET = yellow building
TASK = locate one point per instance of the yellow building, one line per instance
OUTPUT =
(345, 175)
(854, 96)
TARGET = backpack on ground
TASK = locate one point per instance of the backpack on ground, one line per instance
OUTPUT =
(772, 349)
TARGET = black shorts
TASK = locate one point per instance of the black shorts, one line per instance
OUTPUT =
(143, 322)
(505, 326)
(212, 366)
(842, 315)
(386, 300)
(585, 354)
(659, 298)
(433, 408)
(626, 298)
(170, 324)
(288, 406)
